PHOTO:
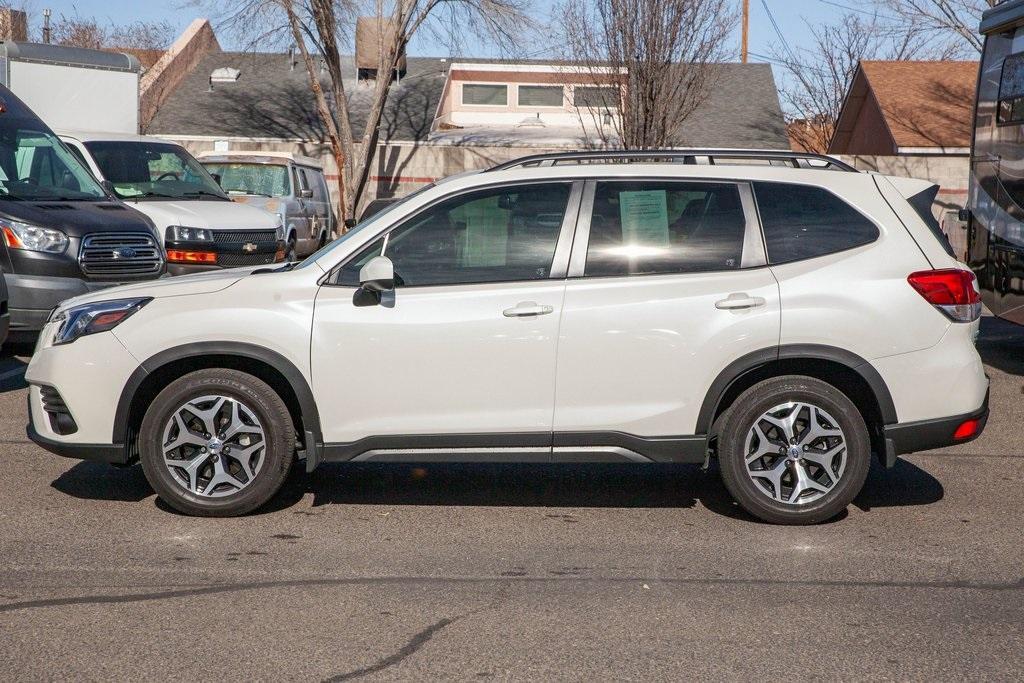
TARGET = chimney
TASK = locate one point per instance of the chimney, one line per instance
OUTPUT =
(373, 36)
(13, 25)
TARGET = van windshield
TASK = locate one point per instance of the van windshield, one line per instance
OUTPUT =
(268, 180)
(153, 171)
(35, 166)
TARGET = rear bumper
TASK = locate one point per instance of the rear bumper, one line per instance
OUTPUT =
(926, 435)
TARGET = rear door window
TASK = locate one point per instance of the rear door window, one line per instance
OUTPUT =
(803, 221)
(652, 227)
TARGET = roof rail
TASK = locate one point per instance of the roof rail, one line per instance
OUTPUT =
(684, 156)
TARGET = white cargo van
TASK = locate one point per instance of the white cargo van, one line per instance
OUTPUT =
(201, 227)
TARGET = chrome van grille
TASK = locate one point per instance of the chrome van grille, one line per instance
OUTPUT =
(120, 255)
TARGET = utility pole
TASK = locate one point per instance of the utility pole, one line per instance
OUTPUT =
(46, 25)
(746, 30)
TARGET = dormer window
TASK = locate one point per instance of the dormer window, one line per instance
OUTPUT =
(541, 95)
(490, 95)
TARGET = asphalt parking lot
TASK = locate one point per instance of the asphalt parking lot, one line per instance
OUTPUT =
(517, 572)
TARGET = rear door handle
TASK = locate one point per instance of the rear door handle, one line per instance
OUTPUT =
(739, 301)
(527, 308)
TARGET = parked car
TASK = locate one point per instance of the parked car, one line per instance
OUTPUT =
(291, 186)
(788, 321)
(61, 233)
(5, 316)
(201, 228)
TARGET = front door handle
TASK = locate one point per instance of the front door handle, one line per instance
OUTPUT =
(527, 308)
(739, 301)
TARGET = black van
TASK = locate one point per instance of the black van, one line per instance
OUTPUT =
(61, 233)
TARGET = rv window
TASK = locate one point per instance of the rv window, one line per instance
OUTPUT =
(1011, 90)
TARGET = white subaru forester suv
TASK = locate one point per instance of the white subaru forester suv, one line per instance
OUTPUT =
(780, 312)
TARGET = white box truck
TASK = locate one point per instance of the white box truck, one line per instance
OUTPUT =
(71, 87)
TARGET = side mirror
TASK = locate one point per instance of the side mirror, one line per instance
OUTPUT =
(108, 186)
(963, 215)
(306, 194)
(216, 178)
(377, 275)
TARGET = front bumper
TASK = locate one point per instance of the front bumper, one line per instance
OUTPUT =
(114, 454)
(229, 255)
(32, 297)
(926, 435)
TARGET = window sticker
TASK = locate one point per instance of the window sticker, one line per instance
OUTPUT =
(486, 225)
(644, 215)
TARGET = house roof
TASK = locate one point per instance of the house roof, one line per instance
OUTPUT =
(272, 100)
(923, 104)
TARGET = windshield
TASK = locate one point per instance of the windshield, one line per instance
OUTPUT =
(363, 225)
(153, 170)
(35, 166)
(268, 180)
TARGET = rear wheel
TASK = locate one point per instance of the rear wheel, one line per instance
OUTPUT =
(217, 443)
(794, 450)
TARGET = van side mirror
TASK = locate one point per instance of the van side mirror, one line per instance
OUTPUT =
(216, 178)
(108, 186)
(963, 215)
(377, 275)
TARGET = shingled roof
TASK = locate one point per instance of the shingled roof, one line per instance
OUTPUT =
(272, 100)
(893, 107)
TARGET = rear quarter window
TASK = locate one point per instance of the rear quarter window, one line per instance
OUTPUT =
(802, 222)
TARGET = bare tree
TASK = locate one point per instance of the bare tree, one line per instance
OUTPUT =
(88, 32)
(648, 60)
(321, 31)
(817, 78)
(958, 18)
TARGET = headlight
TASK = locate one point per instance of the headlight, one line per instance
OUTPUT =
(280, 227)
(181, 233)
(18, 235)
(101, 316)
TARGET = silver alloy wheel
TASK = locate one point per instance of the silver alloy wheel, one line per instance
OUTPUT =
(214, 446)
(795, 453)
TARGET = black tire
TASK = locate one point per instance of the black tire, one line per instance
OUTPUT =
(291, 253)
(757, 499)
(258, 398)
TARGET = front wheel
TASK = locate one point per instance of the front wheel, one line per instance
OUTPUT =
(794, 450)
(217, 443)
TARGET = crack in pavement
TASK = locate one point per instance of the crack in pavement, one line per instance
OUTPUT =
(415, 643)
(385, 580)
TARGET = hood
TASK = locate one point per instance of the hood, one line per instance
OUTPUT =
(258, 201)
(181, 285)
(215, 215)
(78, 218)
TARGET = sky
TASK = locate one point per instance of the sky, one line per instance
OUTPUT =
(789, 14)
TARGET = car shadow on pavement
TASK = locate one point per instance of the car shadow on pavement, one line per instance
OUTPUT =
(100, 481)
(496, 485)
(12, 367)
(1001, 345)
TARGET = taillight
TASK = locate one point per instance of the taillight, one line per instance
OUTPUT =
(953, 291)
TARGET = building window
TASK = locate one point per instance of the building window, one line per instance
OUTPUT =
(491, 95)
(596, 97)
(541, 95)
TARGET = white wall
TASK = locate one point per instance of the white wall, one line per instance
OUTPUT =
(76, 98)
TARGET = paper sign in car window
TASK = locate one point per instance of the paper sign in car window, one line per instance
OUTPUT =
(486, 233)
(644, 216)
